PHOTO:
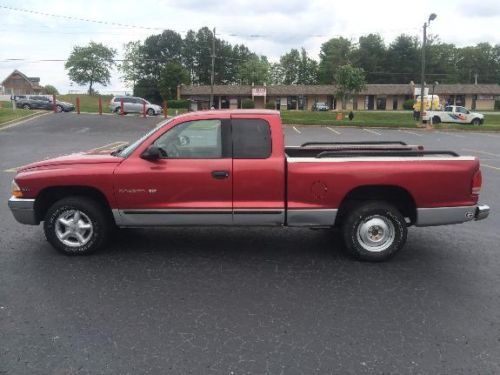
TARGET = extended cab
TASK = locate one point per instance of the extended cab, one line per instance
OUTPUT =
(456, 114)
(232, 168)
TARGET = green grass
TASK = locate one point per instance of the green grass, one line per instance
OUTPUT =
(8, 114)
(373, 118)
(88, 103)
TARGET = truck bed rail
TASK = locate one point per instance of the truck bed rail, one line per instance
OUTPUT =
(354, 143)
(389, 153)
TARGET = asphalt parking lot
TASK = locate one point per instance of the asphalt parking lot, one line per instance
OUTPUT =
(246, 301)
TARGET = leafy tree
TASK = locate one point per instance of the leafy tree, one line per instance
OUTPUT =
(290, 65)
(370, 55)
(334, 53)
(172, 75)
(90, 64)
(403, 60)
(131, 66)
(308, 69)
(51, 90)
(158, 50)
(254, 71)
(276, 74)
(349, 81)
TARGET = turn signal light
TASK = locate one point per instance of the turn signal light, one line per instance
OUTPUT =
(16, 190)
(477, 181)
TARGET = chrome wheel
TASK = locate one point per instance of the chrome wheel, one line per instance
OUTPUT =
(376, 233)
(74, 228)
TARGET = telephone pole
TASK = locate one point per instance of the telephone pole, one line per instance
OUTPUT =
(432, 17)
(212, 76)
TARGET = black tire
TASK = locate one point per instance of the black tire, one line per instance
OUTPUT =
(90, 212)
(59, 109)
(117, 110)
(378, 218)
(436, 120)
(150, 112)
(476, 121)
(26, 106)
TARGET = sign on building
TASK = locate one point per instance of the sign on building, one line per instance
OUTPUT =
(259, 91)
(419, 89)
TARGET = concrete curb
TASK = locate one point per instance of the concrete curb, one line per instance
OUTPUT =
(16, 122)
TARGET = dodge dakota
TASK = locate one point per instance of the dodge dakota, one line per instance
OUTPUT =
(232, 168)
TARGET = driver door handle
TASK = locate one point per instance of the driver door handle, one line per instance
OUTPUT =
(220, 175)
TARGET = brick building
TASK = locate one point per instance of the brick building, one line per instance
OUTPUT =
(18, 83)
(303, 97)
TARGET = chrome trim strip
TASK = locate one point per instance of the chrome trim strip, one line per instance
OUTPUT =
(444, 215)
(258, 216)
(311, 217)
(23, 210)
(379, 159)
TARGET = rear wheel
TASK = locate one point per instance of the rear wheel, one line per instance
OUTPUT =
(151, 112)
(59, 108)
(77, 225)
(476, 121)
(374, 231)
(26, 106)
(436, 120)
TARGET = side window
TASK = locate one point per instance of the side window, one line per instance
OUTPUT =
(251, 139)
(448, 109)
(192, 140)
(461, 110)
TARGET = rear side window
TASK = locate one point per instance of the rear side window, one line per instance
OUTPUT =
(251, 139)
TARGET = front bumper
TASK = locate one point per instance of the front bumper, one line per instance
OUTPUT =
(23, 210)
(450, 215)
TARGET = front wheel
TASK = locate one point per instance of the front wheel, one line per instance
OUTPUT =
(26, 106)
(476, 121)
(436, 120)
(77, 225)
(374, 231)
(150, 112)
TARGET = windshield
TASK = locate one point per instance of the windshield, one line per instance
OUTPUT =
(131, 147)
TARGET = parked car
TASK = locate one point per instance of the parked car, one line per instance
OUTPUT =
(43, 102)
(320, 106)
(232, 168)
(132, 104)
(456, 114)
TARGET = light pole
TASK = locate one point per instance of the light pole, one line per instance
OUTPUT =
(424, 42)
(432, 96)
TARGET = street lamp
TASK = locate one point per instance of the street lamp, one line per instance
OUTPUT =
(432, 96)
(432, 17)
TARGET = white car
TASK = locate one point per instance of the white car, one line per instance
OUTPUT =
(456, 114)
(132, 104)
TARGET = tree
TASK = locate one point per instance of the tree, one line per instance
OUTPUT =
(51, 90)
(334, 53)
(90, 64)
(254, 71)
(370, 55)
(131, 66)
(349, 81)
(403, 60)
(308, 69)
(172, 75)
(290, 65)
(276, 74)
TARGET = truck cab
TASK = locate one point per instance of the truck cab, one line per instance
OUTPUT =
(454, 114)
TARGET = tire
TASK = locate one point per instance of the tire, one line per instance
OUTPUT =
(59, 109)
(88, 234)
(436, 120)
(374, 231)
(150, 112)
(476, 121)
(26, 106)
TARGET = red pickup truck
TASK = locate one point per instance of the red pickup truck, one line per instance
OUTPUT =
(232, 168)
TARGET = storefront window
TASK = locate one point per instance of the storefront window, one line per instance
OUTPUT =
(291, 102)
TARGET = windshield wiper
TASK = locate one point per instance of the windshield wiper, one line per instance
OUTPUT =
(119, 149)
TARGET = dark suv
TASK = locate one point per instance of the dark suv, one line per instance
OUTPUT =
(43, 102)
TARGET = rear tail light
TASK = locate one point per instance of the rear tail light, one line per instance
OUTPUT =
(477, 181)
(420, 148)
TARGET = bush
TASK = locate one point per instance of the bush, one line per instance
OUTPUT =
(178, 104)
(270, 105)
(247, 104)
(408, 104)
(497, 105)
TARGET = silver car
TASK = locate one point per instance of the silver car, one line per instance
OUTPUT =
(132, 104)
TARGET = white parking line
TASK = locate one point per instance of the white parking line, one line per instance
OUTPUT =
(490, 166)
(409, 132)
(481, 152)
(452, 134)
(333, 130)
(372, 131)
(297, 130)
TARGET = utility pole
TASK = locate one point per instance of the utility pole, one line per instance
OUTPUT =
(475, 78)
(424, 42)
(212, 76)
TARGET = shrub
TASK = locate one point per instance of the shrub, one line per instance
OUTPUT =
(178, 103)
(497, 105)
(408, 104)
(270, 105)
(247, 104)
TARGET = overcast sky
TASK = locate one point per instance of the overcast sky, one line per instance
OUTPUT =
(280, 24)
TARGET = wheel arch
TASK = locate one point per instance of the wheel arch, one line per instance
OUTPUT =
(48, 196)
(392, 194)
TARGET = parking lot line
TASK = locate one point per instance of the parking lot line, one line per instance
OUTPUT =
(490, 166)
(297, 130)
(452, 134)
(109, 146)
(333, 130)
(481, 152)
(372, 131)
(410, 132)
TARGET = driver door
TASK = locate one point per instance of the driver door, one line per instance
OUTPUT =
(191, 184)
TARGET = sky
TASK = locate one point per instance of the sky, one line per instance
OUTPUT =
(267, 27)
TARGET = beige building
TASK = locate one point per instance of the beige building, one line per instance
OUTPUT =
(302, 97)
(18, 83)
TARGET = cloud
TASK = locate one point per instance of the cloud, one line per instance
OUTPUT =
(483, 8)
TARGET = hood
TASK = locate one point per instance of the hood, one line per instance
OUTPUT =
(64, 103)
(89, 157)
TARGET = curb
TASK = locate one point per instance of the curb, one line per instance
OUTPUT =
(15, 122)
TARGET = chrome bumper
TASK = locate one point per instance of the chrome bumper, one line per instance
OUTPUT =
(23, 210)
(482, 212)
(450, 215)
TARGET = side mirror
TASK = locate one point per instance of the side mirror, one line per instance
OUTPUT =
(151, 153)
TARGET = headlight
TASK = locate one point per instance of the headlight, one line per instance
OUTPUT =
(16, 190)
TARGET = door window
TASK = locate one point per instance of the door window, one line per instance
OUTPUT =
(461, 110)
(192, 140)
(251, 139)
